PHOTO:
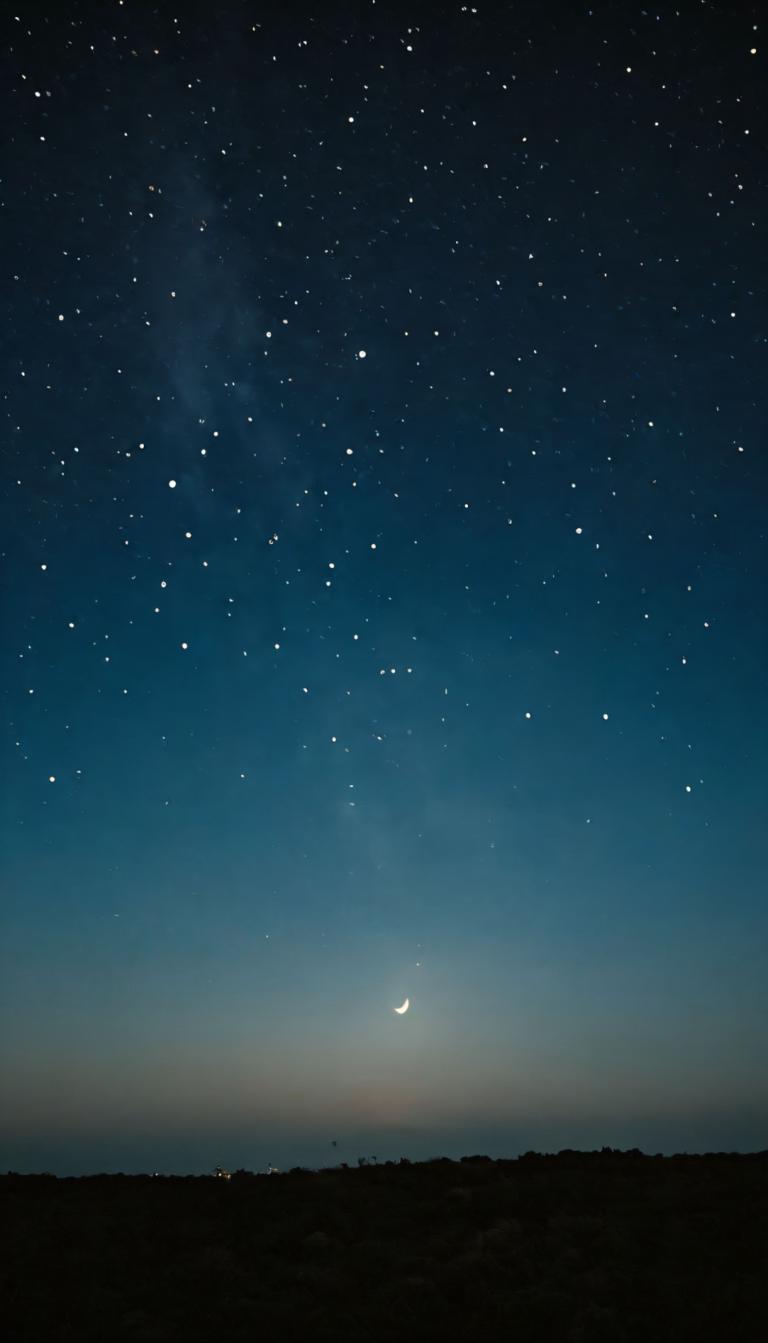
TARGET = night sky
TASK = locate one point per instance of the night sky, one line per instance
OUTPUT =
(384, 611)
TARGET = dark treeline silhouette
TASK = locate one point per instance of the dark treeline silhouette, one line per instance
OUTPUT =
(574, 1246)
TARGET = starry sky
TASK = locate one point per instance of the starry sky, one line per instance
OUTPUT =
(384, 615)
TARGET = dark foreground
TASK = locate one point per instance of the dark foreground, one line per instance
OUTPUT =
(577, 1246)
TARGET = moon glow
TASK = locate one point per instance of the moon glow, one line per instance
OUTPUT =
(404, 1007)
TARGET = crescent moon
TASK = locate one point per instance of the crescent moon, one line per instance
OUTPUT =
(404, 1007)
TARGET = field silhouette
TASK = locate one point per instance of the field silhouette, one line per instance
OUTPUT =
(579, 1247)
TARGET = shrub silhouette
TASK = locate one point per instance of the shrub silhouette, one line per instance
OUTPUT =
(580, 1247)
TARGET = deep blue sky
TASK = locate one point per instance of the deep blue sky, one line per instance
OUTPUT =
(440, 670)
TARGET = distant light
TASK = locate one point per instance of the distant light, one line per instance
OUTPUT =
(172, 484)
(51, 778)
(361, 354)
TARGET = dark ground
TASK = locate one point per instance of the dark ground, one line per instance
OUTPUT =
(576, 1246)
